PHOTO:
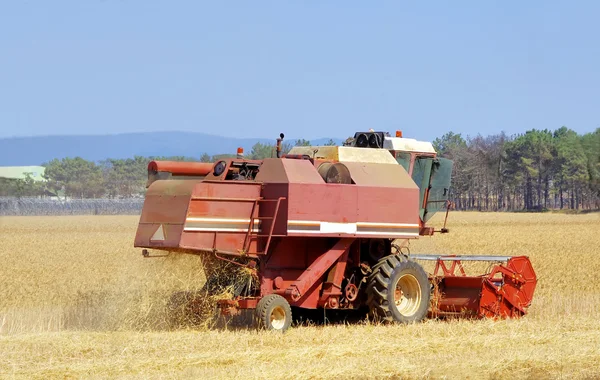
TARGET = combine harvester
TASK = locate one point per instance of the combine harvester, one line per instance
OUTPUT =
(318, 227)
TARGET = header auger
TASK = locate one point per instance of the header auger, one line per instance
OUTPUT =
(317, 227)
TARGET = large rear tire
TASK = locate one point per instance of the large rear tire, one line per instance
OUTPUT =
(398, 290)
(273, 312)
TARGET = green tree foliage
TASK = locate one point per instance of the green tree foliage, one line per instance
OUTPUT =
(302, 142)
(261, 151)
(591, 147)
(78, 178)
(454, 147)
(449, 144)
(219, 157)
(28, 187)
(125, 177)
(21, 187)
(530, 166)
(286, 147)
(7, 187)
(537, 170)
(571, 166)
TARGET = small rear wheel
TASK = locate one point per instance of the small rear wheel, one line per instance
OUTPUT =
(273, 312)
(398, 290)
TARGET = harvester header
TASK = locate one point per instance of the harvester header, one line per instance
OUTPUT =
(320, 227)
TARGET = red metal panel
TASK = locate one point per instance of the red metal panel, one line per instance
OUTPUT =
(229, 189)
(505, 292)
(513, 295)
(460, 294)
(171, 233)
(317, 269)
(296, 252)
(387, 205)
(325, 202)
(165, 207)
(267, 209)
(301, 171)
(224, 241)
(309, 300)
(223, 200)
(377, 212)
(219, 216)
(272, 171)
(289, 259)
(167, 201)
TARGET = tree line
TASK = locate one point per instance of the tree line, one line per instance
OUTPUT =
(111, 178)
(537, 170)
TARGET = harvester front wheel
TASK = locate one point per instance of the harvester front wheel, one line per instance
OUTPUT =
(398, 290)
(273, 312)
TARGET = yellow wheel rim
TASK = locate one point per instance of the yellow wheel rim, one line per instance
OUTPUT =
(277, 318)
(407, 295)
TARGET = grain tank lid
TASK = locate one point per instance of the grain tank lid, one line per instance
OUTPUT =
(380, 175)
(365, 155)
(407, 145)
(345, 154)
(316, 152)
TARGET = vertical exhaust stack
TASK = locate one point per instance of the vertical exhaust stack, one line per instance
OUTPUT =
(278, 149)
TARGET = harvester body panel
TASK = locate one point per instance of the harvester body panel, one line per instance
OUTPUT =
(164, 214)
(218, 216)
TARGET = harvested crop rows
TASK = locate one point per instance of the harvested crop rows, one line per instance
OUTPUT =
(76, 299)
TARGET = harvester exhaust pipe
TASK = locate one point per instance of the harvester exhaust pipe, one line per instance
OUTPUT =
(278, 149)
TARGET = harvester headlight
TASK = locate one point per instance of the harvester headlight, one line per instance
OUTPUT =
(375, 141)
(362, 140)
(219, 168)
(368, 139)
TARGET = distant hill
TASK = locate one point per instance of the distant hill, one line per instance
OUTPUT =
(40, 149)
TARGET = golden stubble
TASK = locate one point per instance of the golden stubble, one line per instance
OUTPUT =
(77, 300)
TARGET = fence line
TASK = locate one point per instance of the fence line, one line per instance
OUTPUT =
(10, 206)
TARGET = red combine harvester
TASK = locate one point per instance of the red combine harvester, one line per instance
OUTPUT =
(318, 227)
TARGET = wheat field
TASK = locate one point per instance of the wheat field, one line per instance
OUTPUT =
(78, 301)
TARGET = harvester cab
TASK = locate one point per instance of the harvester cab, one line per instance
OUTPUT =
(431, 174)
(315, 228)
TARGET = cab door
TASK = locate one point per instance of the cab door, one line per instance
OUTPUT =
(439, 186)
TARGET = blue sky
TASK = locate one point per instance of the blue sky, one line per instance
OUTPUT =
(306, 68)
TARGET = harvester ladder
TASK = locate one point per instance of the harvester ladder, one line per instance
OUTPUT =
(273, 220)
